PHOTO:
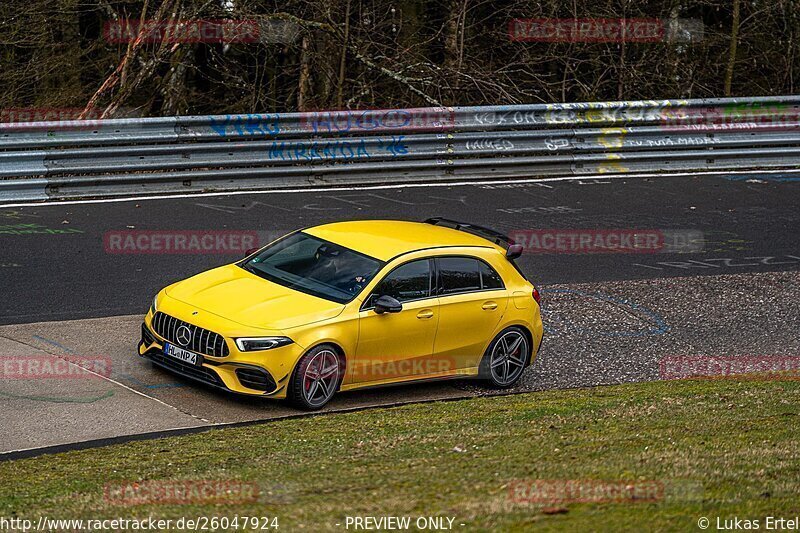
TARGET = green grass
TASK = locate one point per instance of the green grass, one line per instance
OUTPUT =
(720, 448)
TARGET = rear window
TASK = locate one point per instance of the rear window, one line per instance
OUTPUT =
(489, 278)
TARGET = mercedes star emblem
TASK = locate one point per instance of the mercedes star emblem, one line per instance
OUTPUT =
(184, 336)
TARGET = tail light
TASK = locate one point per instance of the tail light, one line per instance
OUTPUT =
(537, 296)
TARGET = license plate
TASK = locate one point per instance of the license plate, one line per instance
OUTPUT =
(184, 355)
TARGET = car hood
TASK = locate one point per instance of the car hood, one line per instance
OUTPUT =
(235, 294)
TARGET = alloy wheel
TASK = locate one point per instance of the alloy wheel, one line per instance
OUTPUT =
(508, 357)
(320, 378)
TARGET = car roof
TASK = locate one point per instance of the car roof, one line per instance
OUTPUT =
(386, 239)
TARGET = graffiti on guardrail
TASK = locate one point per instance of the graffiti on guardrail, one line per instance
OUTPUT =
(270, 125)
(610, 167)
(444, 142)
(733, 116)
(492, 118)
(613, 137)
(579, 113)
(344, 149)
(340, 149)
(554, 144)
(255, 124)
(415, 119)
(499, 144)
(621, 138)
(682, 141)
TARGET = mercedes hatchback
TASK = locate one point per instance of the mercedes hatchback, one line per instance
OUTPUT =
(350, 305)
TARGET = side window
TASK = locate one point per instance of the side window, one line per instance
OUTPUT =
(459, 274)
(489, 278)
(411, 281)
(464, 274)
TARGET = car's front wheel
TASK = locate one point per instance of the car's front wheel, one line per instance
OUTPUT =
(315, 378)
(505, 359)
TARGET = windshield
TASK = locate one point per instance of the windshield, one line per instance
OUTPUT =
(314, 266)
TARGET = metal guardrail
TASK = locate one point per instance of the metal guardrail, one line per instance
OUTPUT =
(119, 157)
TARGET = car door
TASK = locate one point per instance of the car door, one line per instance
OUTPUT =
(472, 300)
(398, 346)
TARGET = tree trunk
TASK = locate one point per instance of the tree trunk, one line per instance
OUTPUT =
(343, 59)
(732, 54)
(303, 82)
(451, 50)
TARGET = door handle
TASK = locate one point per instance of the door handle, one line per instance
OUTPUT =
(427, 313)
(489, 306)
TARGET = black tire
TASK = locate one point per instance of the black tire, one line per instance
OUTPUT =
(514, 364)
(314, 380)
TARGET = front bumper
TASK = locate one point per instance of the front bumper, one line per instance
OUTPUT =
(252, 374)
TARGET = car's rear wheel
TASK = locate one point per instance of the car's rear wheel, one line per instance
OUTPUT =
(315, 378)
(505, 358)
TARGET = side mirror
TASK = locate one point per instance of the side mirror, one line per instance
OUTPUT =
(250, 252)
(387, 304)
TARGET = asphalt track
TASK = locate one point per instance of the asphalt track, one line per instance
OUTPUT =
(610, 318)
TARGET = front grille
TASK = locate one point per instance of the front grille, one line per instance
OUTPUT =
(186, 369)
(202, 340)
(255, 379)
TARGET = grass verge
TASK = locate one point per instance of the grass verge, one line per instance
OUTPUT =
(710, 448)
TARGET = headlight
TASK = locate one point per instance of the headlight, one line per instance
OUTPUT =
(255, 344)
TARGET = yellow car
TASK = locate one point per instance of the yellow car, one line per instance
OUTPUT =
(350, 305)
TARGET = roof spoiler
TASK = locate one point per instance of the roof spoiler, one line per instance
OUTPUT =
(513, 250)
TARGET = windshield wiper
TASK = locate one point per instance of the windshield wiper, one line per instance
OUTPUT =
(252, 270)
